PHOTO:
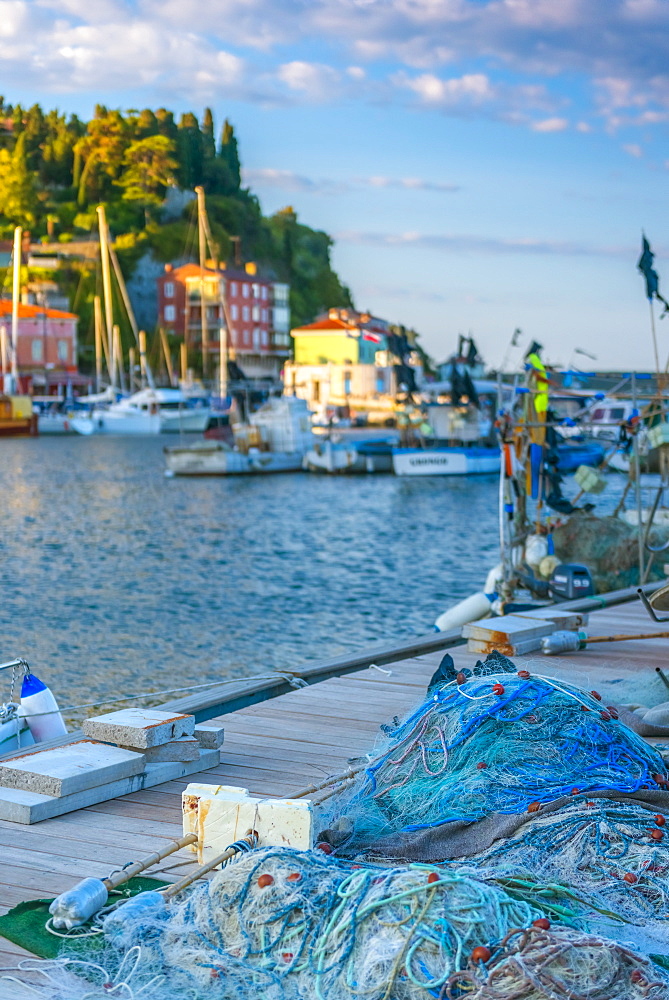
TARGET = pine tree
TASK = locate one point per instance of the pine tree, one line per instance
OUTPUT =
(189, 151)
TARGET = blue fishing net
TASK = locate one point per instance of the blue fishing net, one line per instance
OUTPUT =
(505, 744)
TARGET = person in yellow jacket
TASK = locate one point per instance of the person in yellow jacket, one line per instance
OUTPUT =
(538, 380)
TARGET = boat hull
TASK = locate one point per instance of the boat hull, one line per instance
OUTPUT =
(108, 422)
(445, 461)
(186, 421)
(55, 423)
(369, 456)
(215, 460)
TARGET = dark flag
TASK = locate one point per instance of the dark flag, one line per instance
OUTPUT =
(645, 265)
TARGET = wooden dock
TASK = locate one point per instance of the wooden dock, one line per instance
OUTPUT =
(278, 746)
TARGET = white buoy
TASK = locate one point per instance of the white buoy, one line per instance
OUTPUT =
(470, 610)
(40, 710)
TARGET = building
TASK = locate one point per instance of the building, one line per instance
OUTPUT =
(258, 314)
(346, 363)
(47, 345)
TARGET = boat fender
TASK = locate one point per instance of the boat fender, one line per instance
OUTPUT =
(493, 579)
(123, 927)
(536, 549)
(77, 905)
(470, 610)
(37, 699)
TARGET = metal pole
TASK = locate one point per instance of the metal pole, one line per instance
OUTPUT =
(118, 356)
(168, 357)
(143, 366)
(202, 237)
(16, 294)
(4, 356)
(97, 315)
(637, 484)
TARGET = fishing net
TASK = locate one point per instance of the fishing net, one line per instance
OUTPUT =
(493, 745)
(290, 925)
(608, 546)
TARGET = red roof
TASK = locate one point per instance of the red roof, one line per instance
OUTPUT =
(33, 312)
(329, 324)
(188, 271)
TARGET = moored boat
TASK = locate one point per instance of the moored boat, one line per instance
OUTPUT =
(454, 461)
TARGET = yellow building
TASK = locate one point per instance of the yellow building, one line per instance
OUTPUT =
(342, 366)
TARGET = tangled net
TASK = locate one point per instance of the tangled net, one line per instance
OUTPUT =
(615, 851)
(287, 925)
(496, 744)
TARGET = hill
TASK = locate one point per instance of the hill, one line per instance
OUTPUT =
(55, 170)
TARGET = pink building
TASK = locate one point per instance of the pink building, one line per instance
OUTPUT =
(47, 342)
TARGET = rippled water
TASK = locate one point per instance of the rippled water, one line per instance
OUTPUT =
(114, 579)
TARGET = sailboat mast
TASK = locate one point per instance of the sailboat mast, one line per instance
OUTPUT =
(202, 239)
(16, 293)
(97, 317)
(106, 287)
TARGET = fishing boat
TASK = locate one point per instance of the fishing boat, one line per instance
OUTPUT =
(276, 439)
(459, 460)
(352, 453)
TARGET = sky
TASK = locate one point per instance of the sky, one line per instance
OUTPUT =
(482, 165)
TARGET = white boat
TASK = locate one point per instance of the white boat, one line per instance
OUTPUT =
(369, 454)
(276, 439)
(455, 461)
(149, 411)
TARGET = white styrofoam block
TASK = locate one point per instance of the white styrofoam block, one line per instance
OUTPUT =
(139, 727)
(71, 768)
(219, 815)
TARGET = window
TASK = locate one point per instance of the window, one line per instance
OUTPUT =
(169, 289)
(245, 290)
(170, 314)
(598, 414)
(233, 289)
(63, 350)
(234, 312)
(256, 313)
(264, 315)
(256, 338)
(245, 312)
(264, 339)
(247, 338)
(37, 350)
(263, 292)
(256, 291)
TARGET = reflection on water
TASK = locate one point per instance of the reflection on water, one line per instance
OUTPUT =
(114, 579)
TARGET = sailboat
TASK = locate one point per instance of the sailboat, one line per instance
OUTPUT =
(16, 413)
(152, 409)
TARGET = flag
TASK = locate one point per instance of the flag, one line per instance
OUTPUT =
(645, 265)
(374, 337)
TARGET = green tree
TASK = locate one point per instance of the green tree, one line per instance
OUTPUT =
(101, 151)
(229, 155)
(18, 196)
(208, 141)
(149, 168)
(190, 151)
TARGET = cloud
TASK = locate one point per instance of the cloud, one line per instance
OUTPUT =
(287, 180)
(550, 125)
(452, 243)
(633, 149)
(514, 60)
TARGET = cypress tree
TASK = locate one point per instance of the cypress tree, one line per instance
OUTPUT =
(229, 154)
(208, 141)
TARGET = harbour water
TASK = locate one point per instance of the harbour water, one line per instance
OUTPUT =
(116, 580)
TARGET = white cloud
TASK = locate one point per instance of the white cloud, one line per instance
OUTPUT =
(456, 243)
(510, 59)
(633, 149)
(550, 125)
(287, 180)
(316, 80)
